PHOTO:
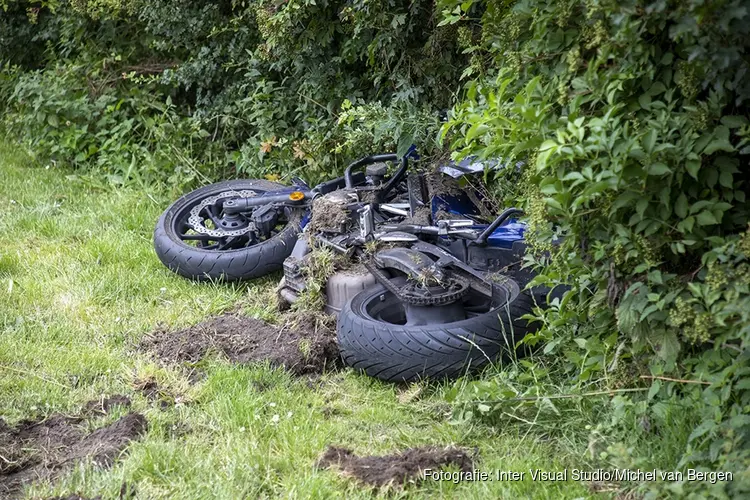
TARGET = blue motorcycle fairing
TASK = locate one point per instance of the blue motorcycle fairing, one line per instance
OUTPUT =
(460, 205)
(503, 237)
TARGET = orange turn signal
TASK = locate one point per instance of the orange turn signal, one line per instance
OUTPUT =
(296, 195)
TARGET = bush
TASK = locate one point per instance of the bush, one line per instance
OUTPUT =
(632, 118)
(262, 81)
(129, 134)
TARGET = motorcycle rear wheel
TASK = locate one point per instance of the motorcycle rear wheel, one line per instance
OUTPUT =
(373, 338)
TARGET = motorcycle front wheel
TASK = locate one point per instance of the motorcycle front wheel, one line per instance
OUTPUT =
(208, 254)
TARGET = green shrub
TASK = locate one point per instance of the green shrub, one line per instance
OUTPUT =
(263, 81)
(128, 134)
(632, 119)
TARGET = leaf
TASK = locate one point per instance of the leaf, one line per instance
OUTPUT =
(669, 347)
(405, 141)
(548, 144)
(681, 206)
(641, 205)
(686, 225)
(624, 200)
(719, 142)
(573, 176)
(476, 130)
(649, 140)
(553, 203)
(718, 145)
(53, 121)
(645, 101)
(699, 205)
(734, 121)
(657, 88)
(725, 179)
(706, 218)
(655, 388)
(706, 426)
(658, 169)
(595, 188)
(648, 311)
(738, 421)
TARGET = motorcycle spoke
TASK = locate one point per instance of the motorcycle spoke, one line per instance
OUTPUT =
(214, 218)
(231, 243)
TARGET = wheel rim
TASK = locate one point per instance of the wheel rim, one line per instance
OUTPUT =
(385, 307)
(214, 218)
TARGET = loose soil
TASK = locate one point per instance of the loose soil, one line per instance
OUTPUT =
(329, 216)
(395, 470)
(305, 348)
(422, 217)
(150, 388)
(441, 184)
(42, 449)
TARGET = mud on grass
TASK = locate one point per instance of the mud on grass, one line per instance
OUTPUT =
(300, 347)
(395, 470)
(37, 450)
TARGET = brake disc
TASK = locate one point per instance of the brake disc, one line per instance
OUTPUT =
(197, 222)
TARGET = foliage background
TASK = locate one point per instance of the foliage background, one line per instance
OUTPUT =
(630, 117)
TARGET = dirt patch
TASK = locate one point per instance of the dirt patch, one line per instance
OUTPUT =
(395, 470)
(150, 388)
(37, 450)
(441, 184)
(443, 215)
(422, 217)
(329, 214)
(302, 349)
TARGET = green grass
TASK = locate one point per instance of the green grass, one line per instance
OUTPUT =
(80, 285)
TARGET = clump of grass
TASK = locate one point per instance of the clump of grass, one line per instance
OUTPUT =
(305, 347)
(317, 266)
(427, 277)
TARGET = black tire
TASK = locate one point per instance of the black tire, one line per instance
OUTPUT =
(400, 353)
(229, 265)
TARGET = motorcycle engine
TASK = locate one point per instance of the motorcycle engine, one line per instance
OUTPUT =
(334, 221)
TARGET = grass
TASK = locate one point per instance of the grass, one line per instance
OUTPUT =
(80, 285)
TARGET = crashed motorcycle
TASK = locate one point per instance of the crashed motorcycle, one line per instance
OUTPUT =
(435, 288)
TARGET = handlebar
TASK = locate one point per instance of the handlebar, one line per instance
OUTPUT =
(482, 238)
(367, 160)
